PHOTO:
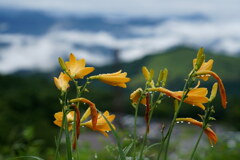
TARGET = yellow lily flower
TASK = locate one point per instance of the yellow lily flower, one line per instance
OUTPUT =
(102, 125)
(206, 66)
(59, 118)
(62, 82)
(195, 97)
(114, 79)
(76, 68)
(208, 131)
(136, 95)
(205, 72)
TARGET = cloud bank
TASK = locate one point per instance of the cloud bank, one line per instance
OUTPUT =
(41, 52)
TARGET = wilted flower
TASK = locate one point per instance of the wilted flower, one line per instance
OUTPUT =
(93, 109)
(114, 79)
(208, 131)
(59, 118)
(62, 82)
(205, 71)
(195, 97)
(76, 68)
(136, 95)
(102, 125)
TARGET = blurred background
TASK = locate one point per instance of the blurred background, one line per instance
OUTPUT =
(112, 35)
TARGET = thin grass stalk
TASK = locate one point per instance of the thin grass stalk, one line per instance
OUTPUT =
(161, 144)
(120, 148)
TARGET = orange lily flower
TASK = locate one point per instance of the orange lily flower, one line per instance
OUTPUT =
(62, 82)
(59, 118)
(208, 131)
(195, 97)
(76, 68)
(205, 72)
(102, 125)
(136, 95)
(206, 66)
(114, 79)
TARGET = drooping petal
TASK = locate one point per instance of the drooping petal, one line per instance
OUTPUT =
(208, 131)
(221, 86)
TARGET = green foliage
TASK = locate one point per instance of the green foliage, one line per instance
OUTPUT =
(28, 102)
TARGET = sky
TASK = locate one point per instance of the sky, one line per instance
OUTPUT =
(219, 33)
(218, 9)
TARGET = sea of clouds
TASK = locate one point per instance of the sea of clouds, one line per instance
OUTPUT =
(30, 52)
(41, 52)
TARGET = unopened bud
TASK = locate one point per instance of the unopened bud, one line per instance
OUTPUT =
(146, 73)
(151, 74)
(213, 92)
(160, 77)
(165, 75)
(200, 59)
(62, 64)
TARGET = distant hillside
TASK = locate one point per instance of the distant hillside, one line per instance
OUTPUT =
(179, 63)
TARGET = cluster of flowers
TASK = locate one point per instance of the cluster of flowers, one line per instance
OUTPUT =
(194, 96)
(70, 116)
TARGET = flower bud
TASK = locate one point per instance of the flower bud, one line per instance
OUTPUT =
(146, 73)
(165, 75)
(200, 59)
(62, 64)
(213, 92)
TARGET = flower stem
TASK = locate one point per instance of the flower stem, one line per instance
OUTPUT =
(185, 92)
(196, 145)
(68, 143)
(161, 144)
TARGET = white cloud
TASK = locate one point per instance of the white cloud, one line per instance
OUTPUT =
(28, 52)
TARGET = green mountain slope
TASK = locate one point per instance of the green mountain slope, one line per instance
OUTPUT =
(179, 63)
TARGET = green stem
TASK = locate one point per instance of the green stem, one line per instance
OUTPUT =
(196, 145)
(68, 143)
(64, 97)
(161, 144)
(205, 122)
(185, 92)
(135, 123)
